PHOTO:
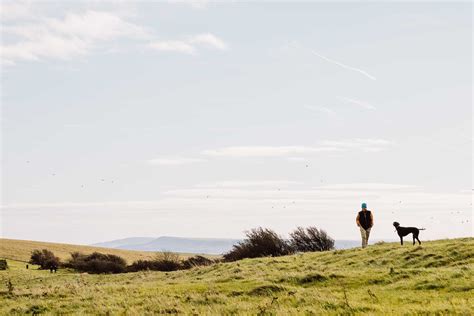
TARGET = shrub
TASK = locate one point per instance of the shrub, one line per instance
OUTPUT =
(97, 263)
(164, 261)
(3, 264)
(259, 242)
(167, 261)
(45, 259)
(196, 261)
(141, 265)
(310, 239)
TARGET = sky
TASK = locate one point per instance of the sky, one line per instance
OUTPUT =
(206, 119)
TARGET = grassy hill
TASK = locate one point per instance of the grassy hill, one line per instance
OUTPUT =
(20, 250)
(384, 279)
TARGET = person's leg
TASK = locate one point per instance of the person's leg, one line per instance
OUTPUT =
(367, 234)
(363, 235)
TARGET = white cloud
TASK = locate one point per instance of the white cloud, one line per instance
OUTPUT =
(209, 40)
(195, 4)
(367, 186)
(15, 10)
(31, 36)
(234, 205)
(359, 103)
(320, 109)
(265, 191)
(367, 145)
(248, 184)
(190, 45)
(363, 144)
(98, 25)
(173, 46)
(265, 151)
(174, 161)
(74, 35)
(48, 46)
(297, 159)
(336, 194)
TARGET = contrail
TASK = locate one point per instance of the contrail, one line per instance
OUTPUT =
(343, 65)
(340, 64)
(363, 104)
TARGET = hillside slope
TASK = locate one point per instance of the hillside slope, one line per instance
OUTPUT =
(21, 250)
(384, 279)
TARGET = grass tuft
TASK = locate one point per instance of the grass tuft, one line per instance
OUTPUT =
(265, 290)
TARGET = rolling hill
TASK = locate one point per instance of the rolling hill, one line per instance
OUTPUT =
(436, 278)
(20, 250)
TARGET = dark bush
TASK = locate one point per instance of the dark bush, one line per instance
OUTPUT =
(259, 242)
(141, 265)
(3, 264)
(196, 261)
(97, 263)
(167, 261)
(45, 259)
(164, 261)
(310, 239)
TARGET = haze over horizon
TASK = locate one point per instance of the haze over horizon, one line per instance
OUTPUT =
(204, 119)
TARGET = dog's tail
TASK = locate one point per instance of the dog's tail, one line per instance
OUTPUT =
(422, 228)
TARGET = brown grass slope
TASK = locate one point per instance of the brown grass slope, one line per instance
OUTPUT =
(20, 250)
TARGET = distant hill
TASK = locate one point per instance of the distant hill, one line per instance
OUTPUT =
(214, 246)
(125, 243)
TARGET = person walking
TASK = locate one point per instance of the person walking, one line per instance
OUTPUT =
(365, 221)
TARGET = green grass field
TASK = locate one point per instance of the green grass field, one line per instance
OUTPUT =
(384, 279)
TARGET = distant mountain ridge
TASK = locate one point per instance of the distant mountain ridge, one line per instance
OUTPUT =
(125, 243)
(212, 246)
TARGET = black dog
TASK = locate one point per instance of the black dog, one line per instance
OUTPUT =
(403, 231)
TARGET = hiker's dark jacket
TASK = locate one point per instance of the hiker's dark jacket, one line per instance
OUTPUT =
(365, 219)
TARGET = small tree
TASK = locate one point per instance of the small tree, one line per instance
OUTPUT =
(196, 261)
(310, 239)
(45, 259)
(259, 242)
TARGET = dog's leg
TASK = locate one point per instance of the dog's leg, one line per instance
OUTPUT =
(401, 240)
(414, 240)
(416, 236)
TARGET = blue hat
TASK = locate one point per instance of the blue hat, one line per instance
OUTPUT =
(364, 205)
